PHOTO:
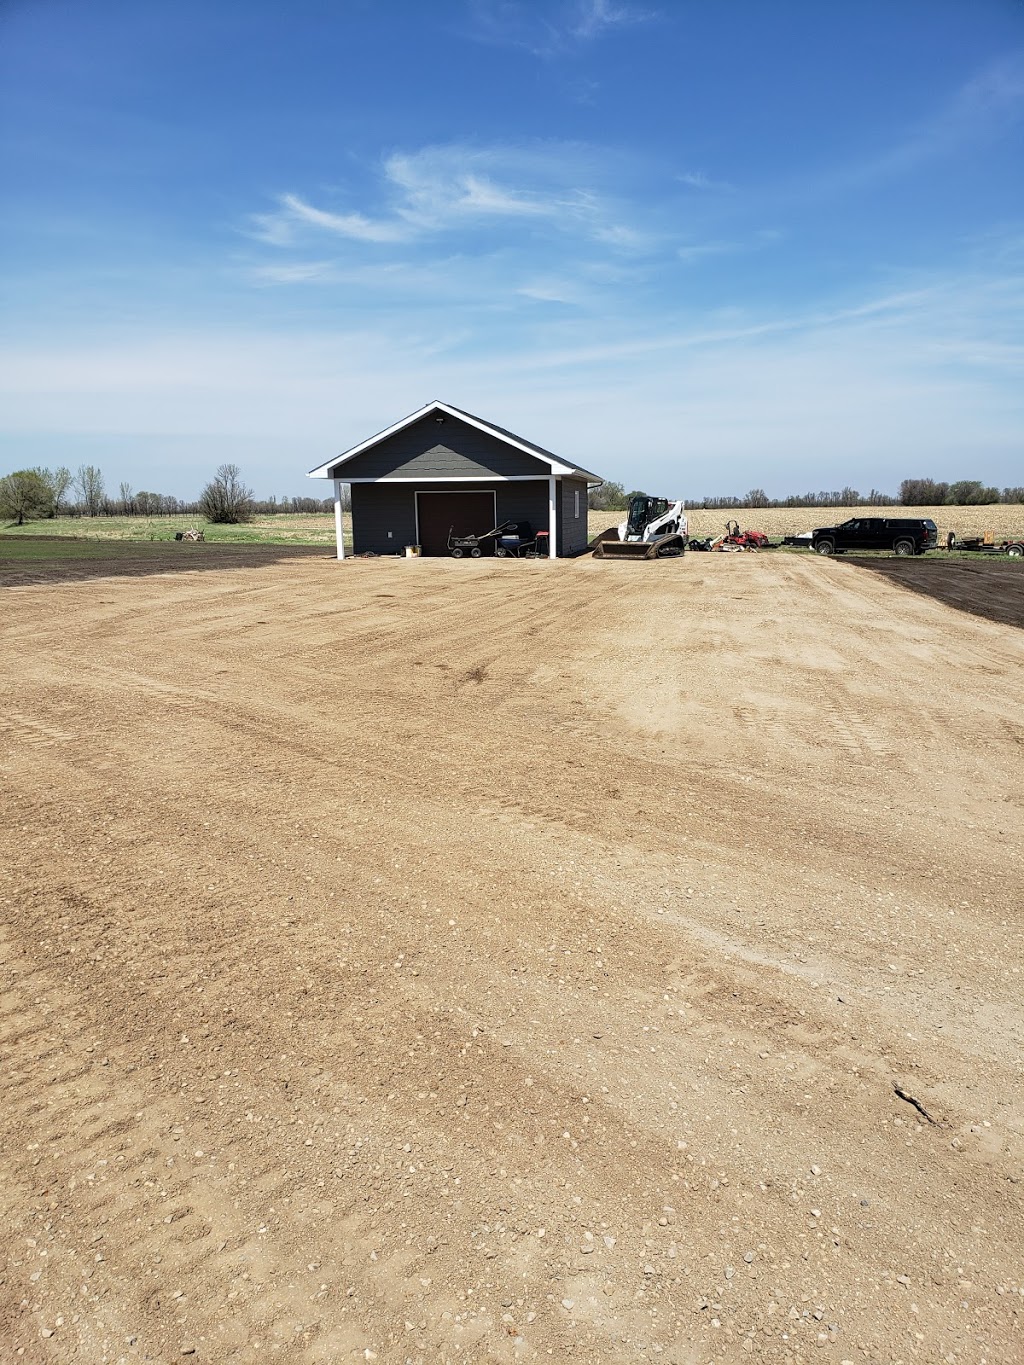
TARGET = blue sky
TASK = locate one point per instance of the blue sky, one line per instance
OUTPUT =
(699, 247)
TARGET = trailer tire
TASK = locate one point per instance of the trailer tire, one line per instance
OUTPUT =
(457, 553)
(1015, 551)
(476, 552)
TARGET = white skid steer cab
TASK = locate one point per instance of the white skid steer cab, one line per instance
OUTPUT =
(654, 529)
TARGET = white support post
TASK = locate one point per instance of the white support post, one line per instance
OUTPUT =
(337, 519)
(552, 518)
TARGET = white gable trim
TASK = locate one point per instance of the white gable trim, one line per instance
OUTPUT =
(329, 470)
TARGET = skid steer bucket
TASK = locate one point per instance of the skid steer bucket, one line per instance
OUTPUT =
(624, 549)
(640, 549)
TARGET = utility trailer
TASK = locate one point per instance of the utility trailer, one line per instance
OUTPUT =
(986, 545)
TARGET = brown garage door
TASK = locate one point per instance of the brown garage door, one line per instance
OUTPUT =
(469, 513)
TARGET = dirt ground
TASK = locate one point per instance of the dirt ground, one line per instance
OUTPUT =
(990, 587)
(424, 961)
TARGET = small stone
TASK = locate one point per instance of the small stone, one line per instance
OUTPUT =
(729, 1272)
(46, 1331)
(815, 1170)
(749, 1257)
(568, 1303)
(586, 1248)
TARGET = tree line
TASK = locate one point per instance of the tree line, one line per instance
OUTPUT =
(612, 497)
(39, 494)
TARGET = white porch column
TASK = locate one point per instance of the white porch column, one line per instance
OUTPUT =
(337, 519)
(552, 519)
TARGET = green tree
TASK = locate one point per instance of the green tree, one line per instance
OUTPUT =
(58, 481)
(225, 498)
(970, 493)
(610, 497)
(923, 493)
(25, 495)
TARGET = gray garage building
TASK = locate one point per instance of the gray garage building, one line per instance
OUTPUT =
(442, 468)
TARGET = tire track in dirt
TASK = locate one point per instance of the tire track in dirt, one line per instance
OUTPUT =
(334, 950)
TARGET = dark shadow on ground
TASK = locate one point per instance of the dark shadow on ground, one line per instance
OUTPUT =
(993, 588)
(26, 560)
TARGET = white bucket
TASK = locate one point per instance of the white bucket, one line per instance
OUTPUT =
(413, 551)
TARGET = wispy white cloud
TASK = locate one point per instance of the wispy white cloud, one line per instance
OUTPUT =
(447, 185)
(554, 29)
(354, 225)
(300, 272)
(985, 106)
(458, 187)
(932, 369)
(697, 180)
(594, 18)
(694, 253)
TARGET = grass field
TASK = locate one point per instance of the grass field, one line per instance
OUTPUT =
(317, 528)
(304, 528)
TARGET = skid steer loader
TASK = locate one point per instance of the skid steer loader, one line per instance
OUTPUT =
(654, 528)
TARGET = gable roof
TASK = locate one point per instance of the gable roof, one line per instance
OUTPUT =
(330, 470)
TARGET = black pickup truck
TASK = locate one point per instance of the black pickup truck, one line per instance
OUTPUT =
(899, 535)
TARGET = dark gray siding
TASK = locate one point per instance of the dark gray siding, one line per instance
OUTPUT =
(573, 537)
(524, 502)
(452, 449)
(378, 508)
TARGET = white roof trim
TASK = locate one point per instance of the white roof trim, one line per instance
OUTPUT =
(324, 471)
(454, 478)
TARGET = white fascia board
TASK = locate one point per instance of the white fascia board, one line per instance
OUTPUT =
(556, 465)
(456, 478)
(324, 471)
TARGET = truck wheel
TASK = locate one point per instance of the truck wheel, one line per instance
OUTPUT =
(825, 547)
(905, 547)
(1016, 551)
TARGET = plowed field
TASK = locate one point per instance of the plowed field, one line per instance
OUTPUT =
(428, 961)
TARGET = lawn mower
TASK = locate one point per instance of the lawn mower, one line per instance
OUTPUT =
(519, 541)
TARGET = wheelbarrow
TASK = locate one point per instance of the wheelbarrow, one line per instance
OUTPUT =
(520, 542)
(459, 546)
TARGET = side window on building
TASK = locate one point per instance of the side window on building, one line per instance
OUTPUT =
(576, 503)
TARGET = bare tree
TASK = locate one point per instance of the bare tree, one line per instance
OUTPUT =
(127, 499)
(226, 498)
(89, 487)
(59, 480)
